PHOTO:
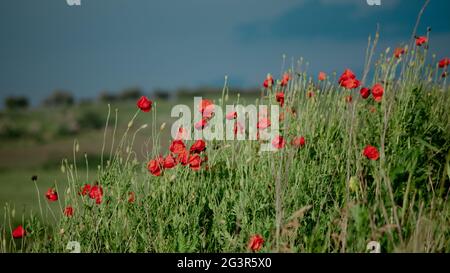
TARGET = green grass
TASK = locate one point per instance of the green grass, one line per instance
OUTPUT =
(324, 197)
(18, 189)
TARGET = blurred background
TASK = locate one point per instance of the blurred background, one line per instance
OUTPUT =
(61, 65)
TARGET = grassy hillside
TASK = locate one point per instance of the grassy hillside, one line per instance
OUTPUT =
(35, 141)
(323, 196)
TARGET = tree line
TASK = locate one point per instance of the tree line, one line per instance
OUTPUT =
(66, 98)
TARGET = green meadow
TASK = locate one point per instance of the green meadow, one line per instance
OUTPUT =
(325, 196)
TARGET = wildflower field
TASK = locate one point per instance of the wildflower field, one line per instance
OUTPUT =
(359, 159)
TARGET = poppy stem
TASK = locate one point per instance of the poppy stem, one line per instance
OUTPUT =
(369, 57)
(39, 199)
(104, 136)
(414, 34)
(278, 206)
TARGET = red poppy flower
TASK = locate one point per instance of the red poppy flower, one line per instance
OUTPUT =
(231, 116)
(347, 74)
(444, 62)
(377, 92)
(96, 193)
(310, 94)
(365, 92)
(131, 197)
(398, 52)
(256, 242)
(351, 83)
(85, 189)
(183, 158)
(280, 98)
(268, 82)
(201, 124)
(19, 232)
(421, 40)
(144, 104)
(285, 80)
(51, 195)
(177, 146)
(206, 107)
(263, 123)
(348, 80)
(195, 162)
(298, 142)
(154, 166)
(371, 152)
(204, 103)
(348, 98)
(68, 211)
(278, 142)
(198, 146)
(169, 162)
(322, 76)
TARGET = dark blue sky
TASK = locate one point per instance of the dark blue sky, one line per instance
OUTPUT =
(114, 44)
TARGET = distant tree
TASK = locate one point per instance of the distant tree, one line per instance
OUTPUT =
(89, 119)
(133, 93)
(205, 90)
(184, 92)
(14, 103)
(248, 91)
(161, 94)
(106, 96)
(59, 98)
(86, 101)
